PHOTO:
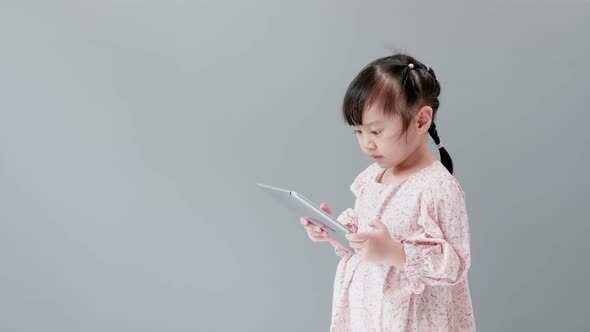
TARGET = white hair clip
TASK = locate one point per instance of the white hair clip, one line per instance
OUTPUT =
(411, 65)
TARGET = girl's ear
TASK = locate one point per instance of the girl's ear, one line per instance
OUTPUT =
(424, 119)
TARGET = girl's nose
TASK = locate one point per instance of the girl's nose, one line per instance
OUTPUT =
(370, 145)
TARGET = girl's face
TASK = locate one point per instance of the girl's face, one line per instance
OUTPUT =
(381, 138)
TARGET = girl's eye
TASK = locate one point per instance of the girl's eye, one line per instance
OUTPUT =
(375, 132)
(356, 132)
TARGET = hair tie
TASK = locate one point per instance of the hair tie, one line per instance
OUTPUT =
(411, 65)
(427, 68)
(439, 145)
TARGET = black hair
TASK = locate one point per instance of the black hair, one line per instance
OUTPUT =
(395, 84)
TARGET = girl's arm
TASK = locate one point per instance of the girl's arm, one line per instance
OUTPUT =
(439, 252)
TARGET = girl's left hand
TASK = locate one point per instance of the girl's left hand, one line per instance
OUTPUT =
(376, 245)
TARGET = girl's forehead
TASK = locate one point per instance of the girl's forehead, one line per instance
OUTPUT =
(373, 115)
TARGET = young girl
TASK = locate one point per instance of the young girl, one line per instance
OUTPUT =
(408, 271)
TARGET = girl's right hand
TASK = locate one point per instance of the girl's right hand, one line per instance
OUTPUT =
(315, 233)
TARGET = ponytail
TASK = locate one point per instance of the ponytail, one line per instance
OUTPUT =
(445, 158)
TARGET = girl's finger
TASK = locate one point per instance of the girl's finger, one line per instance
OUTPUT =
(311, 228)
(326, 208)
(314, 228)
(314, 235)
(319, 238)
(358, 245)
(312, 232)
(352, 227)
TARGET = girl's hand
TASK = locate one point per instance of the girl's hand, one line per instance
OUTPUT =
(314, 233)
(375, 246)
(317, 234)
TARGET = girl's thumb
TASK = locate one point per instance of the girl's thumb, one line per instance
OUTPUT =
(352, 227)
(326, 208)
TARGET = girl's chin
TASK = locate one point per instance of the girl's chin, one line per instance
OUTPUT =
(381, 162)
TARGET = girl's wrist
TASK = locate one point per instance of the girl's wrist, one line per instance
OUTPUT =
(396, 255)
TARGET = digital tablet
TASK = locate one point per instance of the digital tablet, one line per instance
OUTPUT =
(302, 207)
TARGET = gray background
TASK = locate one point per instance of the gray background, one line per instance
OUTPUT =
(132, 133)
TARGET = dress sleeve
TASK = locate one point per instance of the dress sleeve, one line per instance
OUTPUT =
(349, 215)
(360, 182)
(439, 252)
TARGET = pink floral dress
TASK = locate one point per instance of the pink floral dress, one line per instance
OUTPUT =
(427, 213)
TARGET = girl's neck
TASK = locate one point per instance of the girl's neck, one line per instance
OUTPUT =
(419, 159)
